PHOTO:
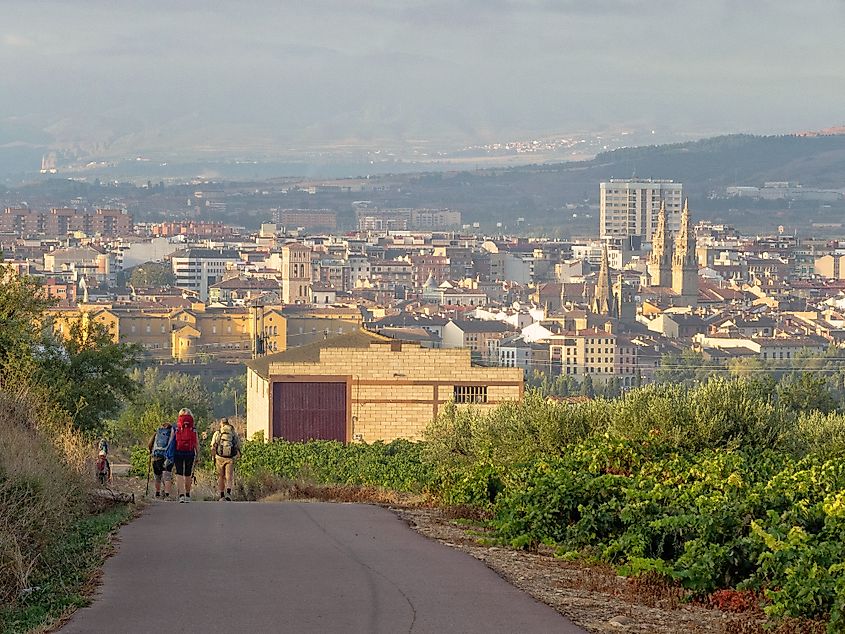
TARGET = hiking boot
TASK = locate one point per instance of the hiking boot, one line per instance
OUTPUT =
(187, 497)
(158, 495)
(182, 499)
(228, 498)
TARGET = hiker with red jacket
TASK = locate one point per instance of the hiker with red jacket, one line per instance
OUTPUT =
(185, 451)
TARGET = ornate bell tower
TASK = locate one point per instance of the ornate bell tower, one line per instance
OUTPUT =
(603, 299)
(684, 265)
(660, 260)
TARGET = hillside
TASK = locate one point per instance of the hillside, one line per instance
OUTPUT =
(541, 193)
(736, 159)
(562, 197)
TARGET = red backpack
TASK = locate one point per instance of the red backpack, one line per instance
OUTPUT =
(186, 437)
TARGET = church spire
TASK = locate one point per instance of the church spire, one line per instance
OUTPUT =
(562, 295)
(684, 262)
(685, 241)
(603, 298)
(660, 260)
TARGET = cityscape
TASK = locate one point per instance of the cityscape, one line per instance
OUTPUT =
(505, 316)
(652, 280)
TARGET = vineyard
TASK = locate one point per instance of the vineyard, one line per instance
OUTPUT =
(715, 489)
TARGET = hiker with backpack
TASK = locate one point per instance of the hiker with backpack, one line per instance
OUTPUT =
(162, 467)
(225, 447)
(185, 452)
(103, 469)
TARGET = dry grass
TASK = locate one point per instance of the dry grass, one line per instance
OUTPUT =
(43, 482)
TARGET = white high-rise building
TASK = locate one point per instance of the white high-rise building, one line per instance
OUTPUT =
(629, 207)
(197, 269)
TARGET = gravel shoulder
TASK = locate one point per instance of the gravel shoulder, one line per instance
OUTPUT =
(594, 597)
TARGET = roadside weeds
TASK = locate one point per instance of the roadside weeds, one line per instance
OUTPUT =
(70, 576)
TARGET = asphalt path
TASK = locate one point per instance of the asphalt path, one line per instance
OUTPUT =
(298, 567)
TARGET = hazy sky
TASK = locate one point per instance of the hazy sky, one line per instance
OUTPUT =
(194, 75)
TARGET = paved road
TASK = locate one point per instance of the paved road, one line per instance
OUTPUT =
(298, 567)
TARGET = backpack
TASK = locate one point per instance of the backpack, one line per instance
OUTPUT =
(162, 440)
(186, 437)
(226, 442)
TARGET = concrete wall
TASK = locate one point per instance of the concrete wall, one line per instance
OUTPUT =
(257, 405)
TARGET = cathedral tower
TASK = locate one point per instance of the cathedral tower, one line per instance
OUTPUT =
(603, 300)
(660, 260)
(684, 265)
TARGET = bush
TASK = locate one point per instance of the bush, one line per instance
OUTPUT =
(397, 465)
(719, 486)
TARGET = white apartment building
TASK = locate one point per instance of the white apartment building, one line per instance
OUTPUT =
(629, 207)
(197, 269)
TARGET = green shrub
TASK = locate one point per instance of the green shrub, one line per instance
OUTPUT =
(397, 465)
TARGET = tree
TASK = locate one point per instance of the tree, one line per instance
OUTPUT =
(84, 375)
(587, 387)
(159, 398)
(745, 367)
(687, 368)
(806, 393)
(22, 306)
(232, 392)
(152, 274)
(88, 373)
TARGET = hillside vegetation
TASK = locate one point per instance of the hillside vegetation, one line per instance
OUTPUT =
(53, 396)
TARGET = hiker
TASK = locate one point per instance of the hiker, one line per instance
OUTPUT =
(162, 467)
(225, 447)
(185, 452)
(103, 469)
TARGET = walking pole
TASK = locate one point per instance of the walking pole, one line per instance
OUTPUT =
(149, 463)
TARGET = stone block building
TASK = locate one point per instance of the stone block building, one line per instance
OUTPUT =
(365, 387)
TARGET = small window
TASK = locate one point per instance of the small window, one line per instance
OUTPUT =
(470, 393)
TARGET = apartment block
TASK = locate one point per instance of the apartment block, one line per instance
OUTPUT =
(60, 221)
(629, 207)
(199, 269)
(600, 354)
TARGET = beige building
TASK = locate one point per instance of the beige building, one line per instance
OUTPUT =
(364, 387)
(185, 334)
(766, 348)
(600, 354)
(830, 266)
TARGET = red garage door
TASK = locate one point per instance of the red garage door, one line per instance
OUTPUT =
(309, 411)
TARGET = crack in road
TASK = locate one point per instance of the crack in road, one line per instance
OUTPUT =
(345, 550)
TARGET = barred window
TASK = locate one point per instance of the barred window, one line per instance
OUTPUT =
(470, 393)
